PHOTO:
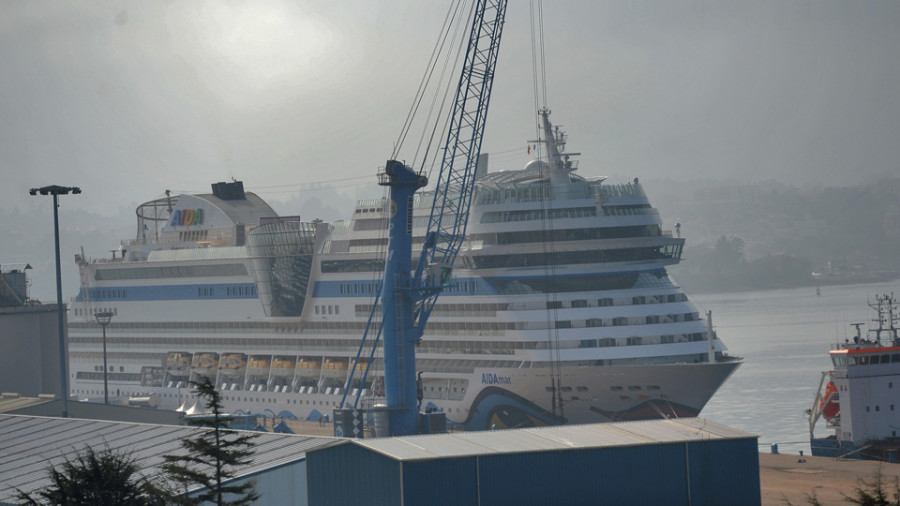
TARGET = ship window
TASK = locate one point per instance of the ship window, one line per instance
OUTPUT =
(852, 360)
(895, 357)
(607, 342)
(616, 389)
(885, 359)
(579, 303)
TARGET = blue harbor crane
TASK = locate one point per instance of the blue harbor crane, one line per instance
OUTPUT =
(408, 296)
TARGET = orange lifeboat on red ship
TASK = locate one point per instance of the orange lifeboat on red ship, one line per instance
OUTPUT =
(829, 405)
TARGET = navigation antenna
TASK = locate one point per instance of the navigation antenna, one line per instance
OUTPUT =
(886, 311)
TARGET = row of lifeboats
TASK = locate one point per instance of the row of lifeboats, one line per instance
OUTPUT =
(239, 361)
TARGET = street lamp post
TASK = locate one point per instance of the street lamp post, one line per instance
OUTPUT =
(56, 191)
(103, 319)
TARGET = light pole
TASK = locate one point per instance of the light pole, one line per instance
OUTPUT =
(103, 319)
(56, 191)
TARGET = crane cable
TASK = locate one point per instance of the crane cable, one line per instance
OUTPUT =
(539, 82)
(443, 46)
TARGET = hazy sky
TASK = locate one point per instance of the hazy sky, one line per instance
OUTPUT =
(127, 99)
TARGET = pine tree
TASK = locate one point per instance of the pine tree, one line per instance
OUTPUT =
(104, 478)
(212, 457)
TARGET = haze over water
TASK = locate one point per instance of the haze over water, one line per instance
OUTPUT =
(784, 337)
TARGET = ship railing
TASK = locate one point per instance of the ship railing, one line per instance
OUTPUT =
(104, 260)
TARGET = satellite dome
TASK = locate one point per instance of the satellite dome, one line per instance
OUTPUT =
(536, 165)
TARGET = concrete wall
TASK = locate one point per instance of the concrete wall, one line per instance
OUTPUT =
(29, 350)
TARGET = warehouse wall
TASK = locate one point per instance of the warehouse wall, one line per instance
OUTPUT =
(349, 474)
(652, 474)
(440, 482)
(724, 472)
(696, 473)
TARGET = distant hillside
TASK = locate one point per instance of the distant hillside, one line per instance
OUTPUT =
(786, 233)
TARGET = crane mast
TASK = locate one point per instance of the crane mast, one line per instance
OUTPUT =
(409, 297)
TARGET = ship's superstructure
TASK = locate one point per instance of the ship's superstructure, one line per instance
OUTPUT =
(858, 398)
(560, 309)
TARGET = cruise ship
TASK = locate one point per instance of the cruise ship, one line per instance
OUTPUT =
(560, 309)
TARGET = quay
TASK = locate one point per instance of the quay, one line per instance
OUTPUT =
(792, 478)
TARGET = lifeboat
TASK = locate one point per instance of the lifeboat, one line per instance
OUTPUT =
(234, 361)
(204, 360)
(829, 404)
(259, 362)
(178, 360)
(283, 364)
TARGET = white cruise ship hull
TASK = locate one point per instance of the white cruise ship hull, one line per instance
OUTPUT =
(560, 309)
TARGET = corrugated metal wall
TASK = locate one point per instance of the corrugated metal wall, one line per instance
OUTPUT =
(651, 474)
(696, 473)
(724, 472)
(348, 474)
(450, 482)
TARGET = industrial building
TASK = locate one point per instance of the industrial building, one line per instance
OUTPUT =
(683, 461)
(30, 445)
(29, 337)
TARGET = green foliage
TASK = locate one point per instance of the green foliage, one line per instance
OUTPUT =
(873, 493)
(212, 458)
(725, 268)
(106, 478)
(868, 493)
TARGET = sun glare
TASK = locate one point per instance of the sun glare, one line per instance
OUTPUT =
(259, 44)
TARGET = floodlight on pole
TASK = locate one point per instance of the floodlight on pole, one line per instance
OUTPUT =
(103, 319)
(56, 191)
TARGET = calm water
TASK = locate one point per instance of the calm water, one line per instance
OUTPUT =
(784, 337)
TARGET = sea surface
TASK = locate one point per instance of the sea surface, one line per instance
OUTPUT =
(784, 337)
